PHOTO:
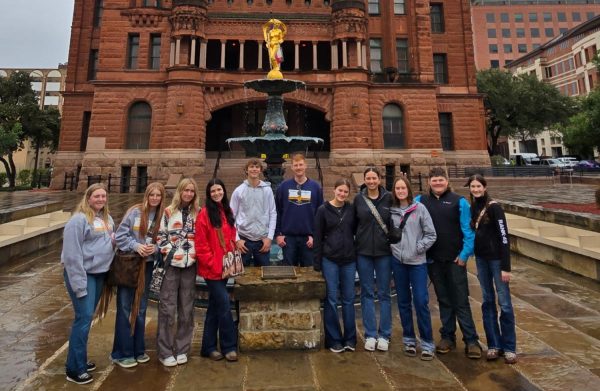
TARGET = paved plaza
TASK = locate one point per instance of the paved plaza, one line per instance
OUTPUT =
(558, 333)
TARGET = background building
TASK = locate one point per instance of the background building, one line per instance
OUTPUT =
(155, 87)
(48, 84)
(565, 62)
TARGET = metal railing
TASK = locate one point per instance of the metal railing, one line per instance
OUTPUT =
(124, 184)
(502, 171)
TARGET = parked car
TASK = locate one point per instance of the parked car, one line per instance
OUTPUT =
(588, 164)
(555, 163)
(524, 159)
(569, 161)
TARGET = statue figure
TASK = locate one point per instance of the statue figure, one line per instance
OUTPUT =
(274, 32)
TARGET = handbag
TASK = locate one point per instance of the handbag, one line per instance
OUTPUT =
(395, 234)
(160, 269)
(232, 260)
(125, 269)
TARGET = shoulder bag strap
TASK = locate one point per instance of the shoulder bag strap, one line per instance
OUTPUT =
(405, 218)
(482, 213)
(375, 214)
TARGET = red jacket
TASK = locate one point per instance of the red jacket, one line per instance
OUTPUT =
(209, 251)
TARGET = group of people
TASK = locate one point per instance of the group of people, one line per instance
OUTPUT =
(438, 234)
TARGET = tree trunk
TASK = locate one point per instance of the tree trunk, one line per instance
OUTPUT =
(9, 167)
(34, 175)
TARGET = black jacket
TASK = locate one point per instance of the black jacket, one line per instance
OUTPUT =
(491, 236)
(333, 238)
(370, 240)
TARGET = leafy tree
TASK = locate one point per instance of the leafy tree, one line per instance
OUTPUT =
(581, 134)
(520, 106)
(21, 119)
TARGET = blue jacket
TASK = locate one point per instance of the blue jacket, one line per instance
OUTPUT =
(297, 206)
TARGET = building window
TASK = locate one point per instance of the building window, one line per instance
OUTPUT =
(505, 33)
(446, 131)
(519, 17)
(393, 134)
(402, 54)
(491, 33)
(85, 130)
(152, 3)
(375, 53)
(522, 48)
(373, 7)
(490, 18)
(494, 64)
(504, 17)
(520, 32)
(399, 8)
(535, 32)
(93, 64)
(437, 17)
(535, 46)
(440, 68)
(576, 17)
(549, 32)
(563, 30)
(507, 48)
(589, 15)
(507, 62)
(98, 8)
(139, 124)
(133, 47)
(493, 48)
(562, 17)
(154, 57)
(547, 16)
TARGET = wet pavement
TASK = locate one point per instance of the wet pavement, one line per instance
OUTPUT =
(558, 335)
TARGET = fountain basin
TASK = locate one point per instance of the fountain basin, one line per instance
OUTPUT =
(274, 143)
(274, 86)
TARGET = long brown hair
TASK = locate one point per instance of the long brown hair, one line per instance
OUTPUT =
(409, 197)
(144, 207)
(85, 208)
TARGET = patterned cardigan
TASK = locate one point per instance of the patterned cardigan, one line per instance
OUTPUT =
(173, 233)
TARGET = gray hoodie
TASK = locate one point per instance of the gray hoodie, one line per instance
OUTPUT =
(87, 248)
(417, 237)
(254, 211)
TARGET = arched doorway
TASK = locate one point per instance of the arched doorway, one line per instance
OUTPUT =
(246, 119)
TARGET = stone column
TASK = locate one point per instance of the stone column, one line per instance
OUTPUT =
(334, 56)
(296, 55)
(193, 52)
(358, 54)
(203, 54)
(172, 54)
(364, 56)
(344, 54)
(242, 55)
(260, 56)
(223, 54)
(315, 62)
(177, 50)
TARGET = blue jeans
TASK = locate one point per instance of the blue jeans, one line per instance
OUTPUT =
(341, 276)
(503, 336)
(295, 252)
(411, 286)
(126, 345)
(84, 308)
(218, 320)
(253, 253)
(452, 291)
(367, 267)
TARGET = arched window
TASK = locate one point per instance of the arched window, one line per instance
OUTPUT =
(139, 124)
(393, 129)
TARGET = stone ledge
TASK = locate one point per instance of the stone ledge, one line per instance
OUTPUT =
(252, 288)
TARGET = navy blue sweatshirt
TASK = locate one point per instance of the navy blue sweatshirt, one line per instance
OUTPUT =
(296, 207)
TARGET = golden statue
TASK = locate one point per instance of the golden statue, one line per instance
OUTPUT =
(274, 31)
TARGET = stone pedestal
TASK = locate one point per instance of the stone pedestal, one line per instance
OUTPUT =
(280, 314)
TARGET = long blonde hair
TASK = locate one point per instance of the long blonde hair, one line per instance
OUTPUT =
(144, 207)
(85, 208)
(176, 202)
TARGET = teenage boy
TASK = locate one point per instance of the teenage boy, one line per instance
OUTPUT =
(297, 200)
(451, 215)
(253, 207)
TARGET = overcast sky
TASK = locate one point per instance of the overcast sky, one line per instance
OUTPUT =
(34, 33)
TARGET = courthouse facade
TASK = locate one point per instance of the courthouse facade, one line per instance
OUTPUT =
(156, 86)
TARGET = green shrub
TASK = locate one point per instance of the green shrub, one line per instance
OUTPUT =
(497, 160)
(24, 177)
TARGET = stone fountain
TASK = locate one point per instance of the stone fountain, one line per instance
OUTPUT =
(282, 313)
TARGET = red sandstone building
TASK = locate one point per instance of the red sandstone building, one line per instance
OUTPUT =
(156, 86)
(504, 30)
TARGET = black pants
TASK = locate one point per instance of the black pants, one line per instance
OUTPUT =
(452, 291)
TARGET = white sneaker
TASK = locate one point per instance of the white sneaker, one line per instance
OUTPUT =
(168, 362)
(383, 344)
(370, 344)
(181, 359)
